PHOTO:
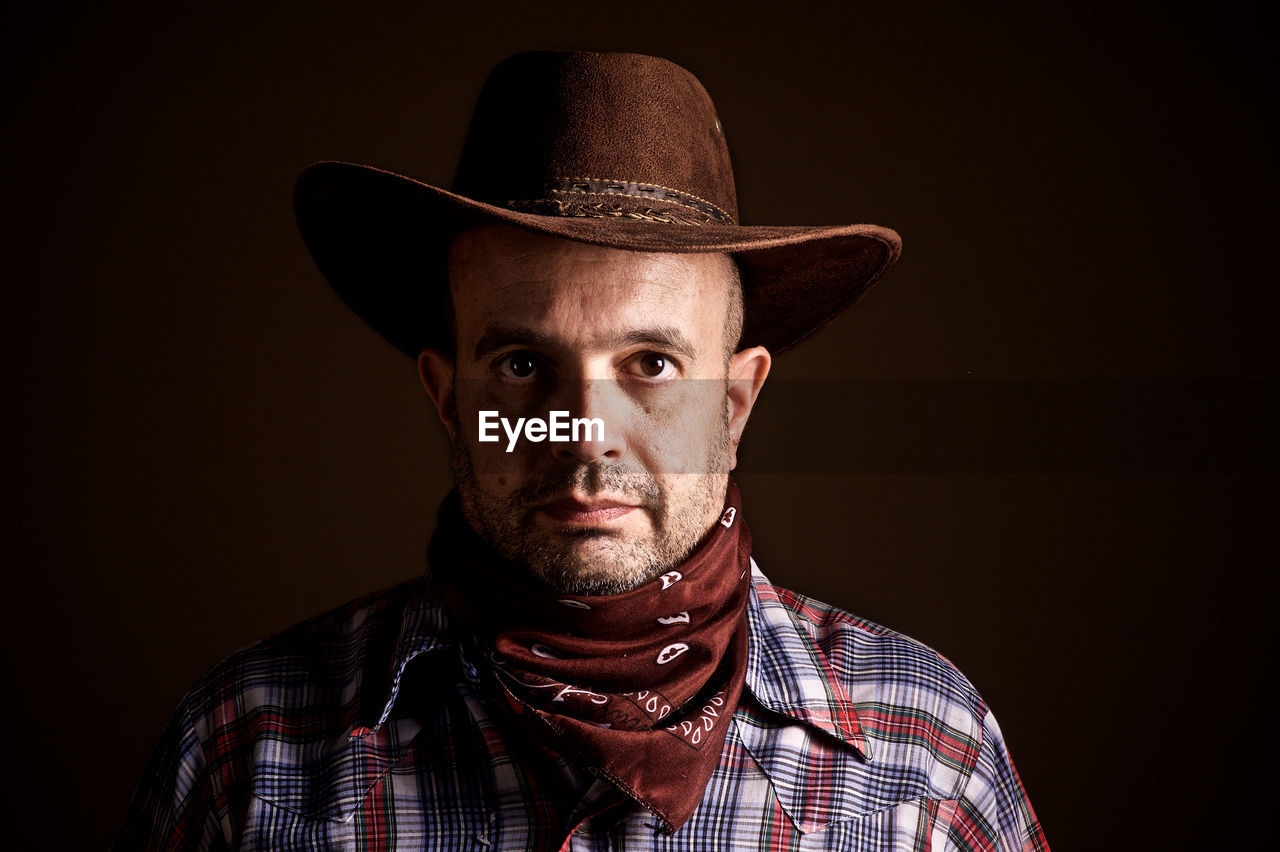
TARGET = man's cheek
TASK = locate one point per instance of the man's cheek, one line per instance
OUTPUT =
(675, 438)
(500, 460)
(496, 422)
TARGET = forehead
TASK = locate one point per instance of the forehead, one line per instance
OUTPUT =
(580, 291)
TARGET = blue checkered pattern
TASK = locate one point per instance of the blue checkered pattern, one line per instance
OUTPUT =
(368, 728)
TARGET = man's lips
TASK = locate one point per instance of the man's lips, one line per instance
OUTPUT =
(570, 510)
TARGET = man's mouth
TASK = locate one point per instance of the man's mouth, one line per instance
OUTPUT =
(574, 511)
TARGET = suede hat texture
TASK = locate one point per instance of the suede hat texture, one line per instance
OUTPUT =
(612, 149)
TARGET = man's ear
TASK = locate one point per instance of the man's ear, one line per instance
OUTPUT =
(435, 370)
(747, 371)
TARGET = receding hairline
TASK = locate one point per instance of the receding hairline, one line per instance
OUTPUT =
(532, 239)
(525, 244)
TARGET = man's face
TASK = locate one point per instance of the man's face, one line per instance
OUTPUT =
(634, 339)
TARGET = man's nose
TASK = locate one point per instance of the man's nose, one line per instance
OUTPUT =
(595, 433)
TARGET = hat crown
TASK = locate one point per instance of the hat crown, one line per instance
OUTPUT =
(603, 130)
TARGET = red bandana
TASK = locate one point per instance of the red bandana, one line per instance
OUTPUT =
(640, 685)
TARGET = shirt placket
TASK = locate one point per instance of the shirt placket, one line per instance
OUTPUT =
(592, 821)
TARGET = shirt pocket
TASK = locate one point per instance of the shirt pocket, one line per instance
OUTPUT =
(308, 796)
(269, 826)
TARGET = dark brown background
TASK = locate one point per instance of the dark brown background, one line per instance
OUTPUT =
(206, 447)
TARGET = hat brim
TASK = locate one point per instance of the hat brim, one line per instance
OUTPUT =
(382, 240)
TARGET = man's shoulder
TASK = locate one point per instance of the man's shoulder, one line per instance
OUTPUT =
(897, 699)
(869, 658)
(337, 658)
(356, 622)
(913, 727)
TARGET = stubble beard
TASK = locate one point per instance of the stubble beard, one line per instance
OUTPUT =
(594, 562)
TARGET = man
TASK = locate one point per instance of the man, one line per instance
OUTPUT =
(593, 660)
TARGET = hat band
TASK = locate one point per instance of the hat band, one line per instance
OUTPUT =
(582, 197)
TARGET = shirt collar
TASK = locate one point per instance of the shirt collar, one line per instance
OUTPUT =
(424, 628)
(788, 673)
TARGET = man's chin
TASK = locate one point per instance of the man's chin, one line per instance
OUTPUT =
(590, 562)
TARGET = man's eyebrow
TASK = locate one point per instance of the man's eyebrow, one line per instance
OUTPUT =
(501, 335)
(663, 337)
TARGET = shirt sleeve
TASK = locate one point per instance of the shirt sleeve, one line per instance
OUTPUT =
(993, 813)
(173, 806)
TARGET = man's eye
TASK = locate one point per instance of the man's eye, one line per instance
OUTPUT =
(653, 366)
(519, 365)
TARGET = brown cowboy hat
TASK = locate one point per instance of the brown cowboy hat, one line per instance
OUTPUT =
(613, 149)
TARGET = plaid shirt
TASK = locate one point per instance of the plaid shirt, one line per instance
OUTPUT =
(367, 728)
